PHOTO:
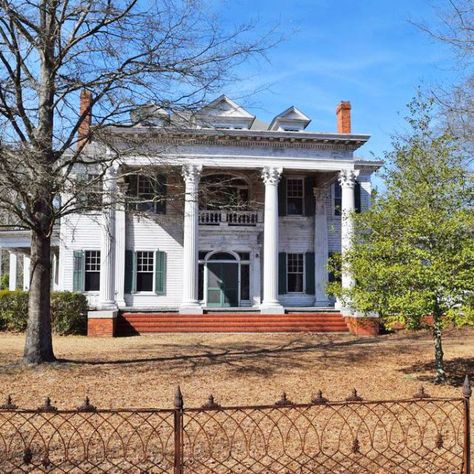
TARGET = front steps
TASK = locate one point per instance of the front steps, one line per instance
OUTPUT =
(225, 322)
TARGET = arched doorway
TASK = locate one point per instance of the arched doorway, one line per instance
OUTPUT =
(222, 276)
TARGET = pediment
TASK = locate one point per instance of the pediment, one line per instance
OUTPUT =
(224, 113)
(290, 118)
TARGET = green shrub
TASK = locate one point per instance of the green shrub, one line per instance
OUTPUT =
(68, 311)
(4, 280)
(13, 310)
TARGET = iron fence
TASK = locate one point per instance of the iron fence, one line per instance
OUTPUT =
(419, 435)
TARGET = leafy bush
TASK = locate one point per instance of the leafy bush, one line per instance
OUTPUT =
(68, 311)
(4, 280)
(13, 310)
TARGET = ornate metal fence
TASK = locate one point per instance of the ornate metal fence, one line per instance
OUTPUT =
(419, 435)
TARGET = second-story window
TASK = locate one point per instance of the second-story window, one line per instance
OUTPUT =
(295, 196)
(90, 191)
(147, 193)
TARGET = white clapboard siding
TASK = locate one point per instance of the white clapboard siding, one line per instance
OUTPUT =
(164, 233)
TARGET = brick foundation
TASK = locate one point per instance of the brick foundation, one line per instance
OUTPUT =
(363, 326)
(101, 327)
(101, 323)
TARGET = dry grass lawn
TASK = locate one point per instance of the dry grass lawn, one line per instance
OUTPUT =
(236, 368)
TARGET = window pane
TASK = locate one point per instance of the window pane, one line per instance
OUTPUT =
(222, 256)
(295, 206)
(295, 283)
(244, 282)
(145, 261)
(92, 281)
(144, 281)
(93, 261)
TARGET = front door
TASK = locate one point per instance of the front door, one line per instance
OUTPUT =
(222, 284)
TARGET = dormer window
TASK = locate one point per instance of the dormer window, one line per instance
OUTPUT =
(291, 120)
(225, 114)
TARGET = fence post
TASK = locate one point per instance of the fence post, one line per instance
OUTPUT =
(178, 431)
(466, 393)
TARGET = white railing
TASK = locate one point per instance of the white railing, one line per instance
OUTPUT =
(230, 218)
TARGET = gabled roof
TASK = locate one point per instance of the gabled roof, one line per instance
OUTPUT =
(225, 107)
(291, 116)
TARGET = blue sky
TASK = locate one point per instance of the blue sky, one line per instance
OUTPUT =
(365, 51)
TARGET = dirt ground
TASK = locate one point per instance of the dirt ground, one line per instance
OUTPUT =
(237, 368)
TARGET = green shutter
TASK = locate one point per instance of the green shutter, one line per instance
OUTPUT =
(309, 271)
(282, 286)
(130, 277)
(160, 272)
(337, 198)
(78, 272)
(357, 191)
(308, 196)
(160, 193)
(282, 197)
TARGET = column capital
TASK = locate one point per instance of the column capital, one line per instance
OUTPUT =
(347, 178)
(191, 173)
(271, 175)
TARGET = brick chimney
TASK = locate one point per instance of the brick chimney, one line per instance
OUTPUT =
(85, 109)
(343, 114)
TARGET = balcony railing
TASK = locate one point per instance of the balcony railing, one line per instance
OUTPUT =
(230, 218)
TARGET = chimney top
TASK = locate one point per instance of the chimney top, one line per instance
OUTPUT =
(85, 111)
(343, 114)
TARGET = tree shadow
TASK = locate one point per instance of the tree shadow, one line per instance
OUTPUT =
(456, 370)
(241, 358)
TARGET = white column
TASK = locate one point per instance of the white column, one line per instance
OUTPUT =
(12, 271)
(107, 247)
(190, 303)
(347, 180)
(26, 272)
(320, 248)
(270, 303)
(120, 245)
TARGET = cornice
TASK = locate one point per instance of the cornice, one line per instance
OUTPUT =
(241, 138)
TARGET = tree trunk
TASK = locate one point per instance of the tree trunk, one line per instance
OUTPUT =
(39, 344)
(439, 354)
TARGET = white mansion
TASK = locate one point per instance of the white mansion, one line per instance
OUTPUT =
(246, 218)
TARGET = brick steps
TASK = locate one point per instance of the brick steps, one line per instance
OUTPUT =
(133, 323)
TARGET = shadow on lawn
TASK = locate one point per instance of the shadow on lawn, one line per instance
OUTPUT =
(252, 358)
(456, 370)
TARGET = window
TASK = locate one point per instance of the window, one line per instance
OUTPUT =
(295, 196)
(145, 271)
(245, 281)
(90, 191)
(147, 193)
(295, 273)
(92, 270)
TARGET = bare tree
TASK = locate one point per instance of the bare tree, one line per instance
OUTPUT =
(455, 27)
(123, 54)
